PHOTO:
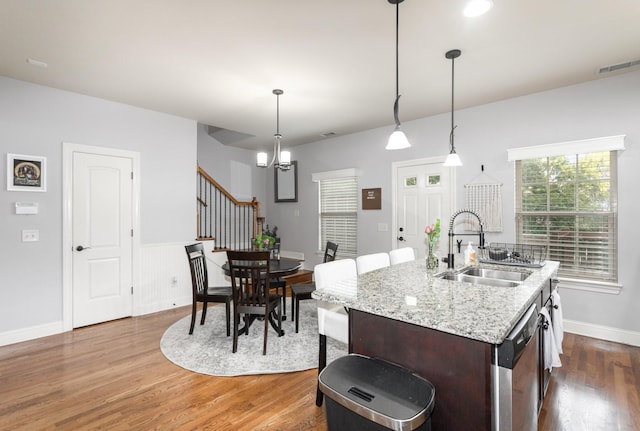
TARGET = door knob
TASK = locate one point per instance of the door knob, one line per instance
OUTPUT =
(80, 248)
(400, 238)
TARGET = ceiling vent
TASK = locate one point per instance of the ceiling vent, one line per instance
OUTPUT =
(615, 67)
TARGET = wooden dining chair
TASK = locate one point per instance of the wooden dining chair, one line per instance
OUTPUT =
(300, 292)
(250, 278)
(201, 292)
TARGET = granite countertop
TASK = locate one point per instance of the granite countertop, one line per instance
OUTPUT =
(407, 293)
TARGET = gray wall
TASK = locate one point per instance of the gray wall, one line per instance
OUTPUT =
(35, 120)
(600, 108)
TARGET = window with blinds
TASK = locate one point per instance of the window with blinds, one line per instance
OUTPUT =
(339, 214)
(569, 204)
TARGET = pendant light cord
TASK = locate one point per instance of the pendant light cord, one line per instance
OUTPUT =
(395, 105)
(277, 114)
(397, 48)
(453, 61)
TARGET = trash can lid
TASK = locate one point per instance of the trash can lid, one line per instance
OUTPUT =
(383, 392)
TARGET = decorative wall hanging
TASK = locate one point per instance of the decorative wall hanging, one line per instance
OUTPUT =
(484, 196)
(372, 199)
(26, 173)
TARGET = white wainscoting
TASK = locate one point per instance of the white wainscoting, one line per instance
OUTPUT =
(165, 277)
(165, 281)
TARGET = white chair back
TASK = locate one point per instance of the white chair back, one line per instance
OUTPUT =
(400, 255)
(370, 262)
(340, 277)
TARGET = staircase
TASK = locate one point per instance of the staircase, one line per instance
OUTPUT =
(232, 224)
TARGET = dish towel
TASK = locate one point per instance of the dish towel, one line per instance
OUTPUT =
(551, 355)
(556, 313)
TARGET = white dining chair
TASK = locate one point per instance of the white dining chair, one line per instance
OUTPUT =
(400, 255)
(339, 276)
(370, 262)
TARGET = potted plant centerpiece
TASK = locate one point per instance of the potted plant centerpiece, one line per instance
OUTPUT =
(268, 240)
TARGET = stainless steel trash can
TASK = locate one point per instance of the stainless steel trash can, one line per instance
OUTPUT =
(370, 394)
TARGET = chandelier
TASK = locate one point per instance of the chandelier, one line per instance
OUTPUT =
(281, 159)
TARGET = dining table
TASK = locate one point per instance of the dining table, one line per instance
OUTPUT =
(277, 267)
(280, 267)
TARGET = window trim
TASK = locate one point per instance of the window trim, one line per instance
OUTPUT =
(318, 177)
(608, 143)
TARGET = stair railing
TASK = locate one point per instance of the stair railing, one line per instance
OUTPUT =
(231, 223)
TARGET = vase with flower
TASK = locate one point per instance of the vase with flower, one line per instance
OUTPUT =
(433, 233)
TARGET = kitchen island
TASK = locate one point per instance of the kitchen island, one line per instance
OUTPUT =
(444, 330)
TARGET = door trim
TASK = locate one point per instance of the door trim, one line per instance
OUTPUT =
(68, 149)
(394, 185)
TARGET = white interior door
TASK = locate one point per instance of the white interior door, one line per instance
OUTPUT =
(102, 238)
(424, 193)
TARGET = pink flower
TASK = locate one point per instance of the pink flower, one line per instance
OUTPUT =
(429, 229)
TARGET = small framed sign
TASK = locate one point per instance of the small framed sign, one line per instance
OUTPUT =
(26, 173)
(372, 199)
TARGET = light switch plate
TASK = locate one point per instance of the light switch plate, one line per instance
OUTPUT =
(30, 235)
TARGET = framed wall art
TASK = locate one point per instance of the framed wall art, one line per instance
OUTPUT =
(286, 184)
(26, 173)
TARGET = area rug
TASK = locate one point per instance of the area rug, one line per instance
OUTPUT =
(208, 349)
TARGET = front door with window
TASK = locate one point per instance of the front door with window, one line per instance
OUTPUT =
(423, 194)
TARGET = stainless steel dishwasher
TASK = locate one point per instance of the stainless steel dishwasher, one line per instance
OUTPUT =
(515, 388)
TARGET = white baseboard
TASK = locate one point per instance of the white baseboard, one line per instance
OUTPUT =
(30, 333)
(616, 335)
(157, 306)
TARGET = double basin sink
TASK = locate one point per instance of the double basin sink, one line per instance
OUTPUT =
(487, 277)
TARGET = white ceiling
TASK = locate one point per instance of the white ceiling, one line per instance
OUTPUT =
(217, 61)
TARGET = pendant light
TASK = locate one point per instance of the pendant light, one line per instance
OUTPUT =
(281, 159)
(398, 140)
(453, 159)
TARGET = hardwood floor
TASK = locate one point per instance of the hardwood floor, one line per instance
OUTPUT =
(597, 388)
(113, 376)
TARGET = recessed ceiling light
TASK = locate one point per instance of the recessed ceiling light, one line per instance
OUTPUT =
(477, 8)
(37, 63)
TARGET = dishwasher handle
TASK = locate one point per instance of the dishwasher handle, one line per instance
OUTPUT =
(519, 338)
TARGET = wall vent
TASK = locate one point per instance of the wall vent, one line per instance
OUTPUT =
(614, 67)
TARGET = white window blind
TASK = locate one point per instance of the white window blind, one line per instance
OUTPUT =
(339, 213)
(569, 203)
